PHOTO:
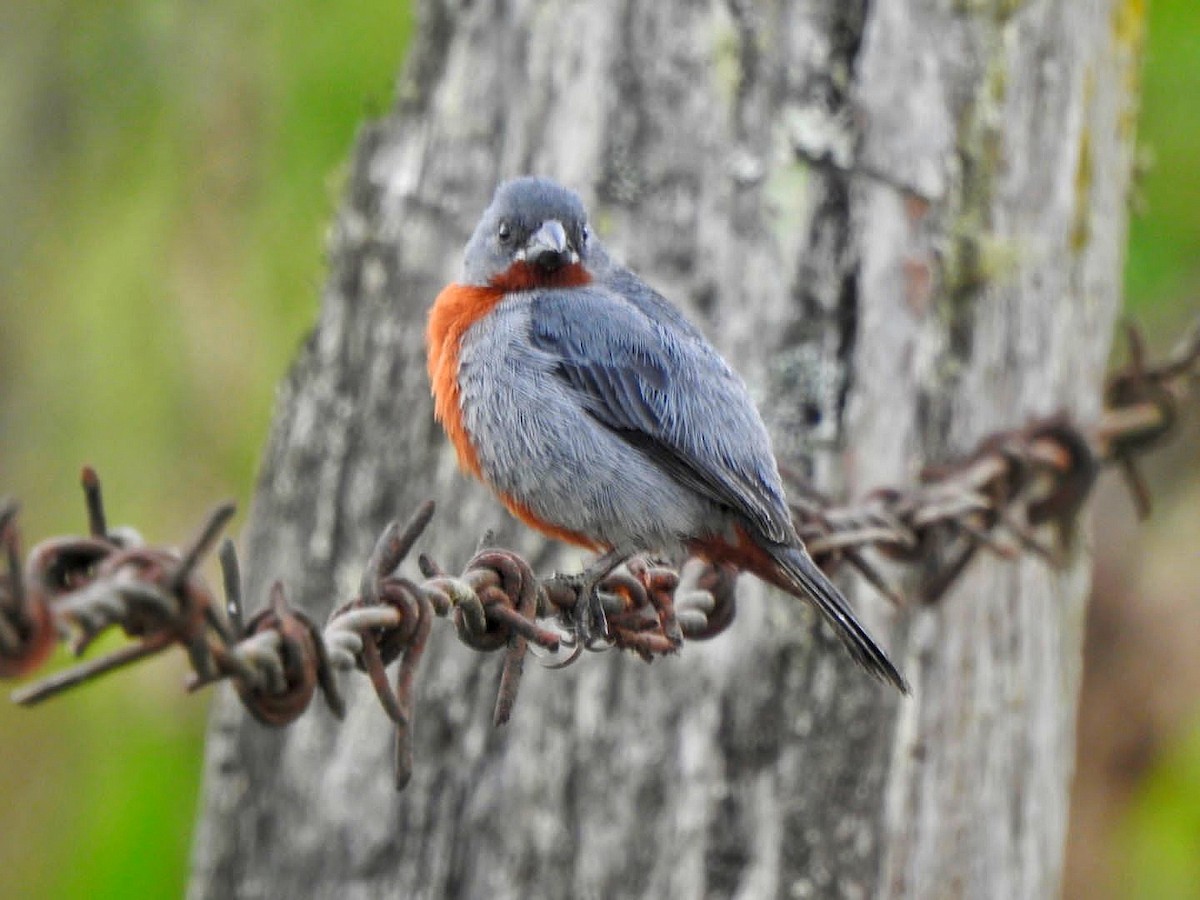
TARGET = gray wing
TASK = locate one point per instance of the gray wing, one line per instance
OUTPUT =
(666, 391)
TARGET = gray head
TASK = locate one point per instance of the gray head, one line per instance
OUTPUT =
(534, 234)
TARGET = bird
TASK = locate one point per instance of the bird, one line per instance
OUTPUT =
(602, 417)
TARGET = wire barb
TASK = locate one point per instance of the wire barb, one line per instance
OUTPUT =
(1020, 491)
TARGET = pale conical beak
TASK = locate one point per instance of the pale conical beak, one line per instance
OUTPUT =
(548, 249)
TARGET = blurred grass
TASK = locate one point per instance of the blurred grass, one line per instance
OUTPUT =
(1163, 832)
(167, 170)
(1161, 839)
(1162, 278)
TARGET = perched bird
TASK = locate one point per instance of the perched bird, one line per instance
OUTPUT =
(602, 417)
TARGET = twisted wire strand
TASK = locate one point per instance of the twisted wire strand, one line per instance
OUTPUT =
(1020, 491)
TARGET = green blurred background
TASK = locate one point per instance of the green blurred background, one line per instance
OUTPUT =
(167, 170)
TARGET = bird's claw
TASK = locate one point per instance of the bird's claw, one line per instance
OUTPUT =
(589, 622)
(576, 652)
(592, 623)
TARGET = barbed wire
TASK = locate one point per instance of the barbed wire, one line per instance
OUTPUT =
(1003, 497)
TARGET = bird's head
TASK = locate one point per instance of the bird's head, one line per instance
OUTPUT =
(533, 235)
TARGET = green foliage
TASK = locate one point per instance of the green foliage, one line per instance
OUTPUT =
(1164, 829)
(168, 173)
(1163, 288)
(109, 811)
(1163, 270)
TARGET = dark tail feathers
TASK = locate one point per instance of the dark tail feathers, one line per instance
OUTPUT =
(799, 575)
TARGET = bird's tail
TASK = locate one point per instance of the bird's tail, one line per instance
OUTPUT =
(797, 574)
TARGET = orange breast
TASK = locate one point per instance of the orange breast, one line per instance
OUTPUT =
(456, 309)
(533, 520)
(521, 276)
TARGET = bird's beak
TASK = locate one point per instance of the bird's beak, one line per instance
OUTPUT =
(548, 249)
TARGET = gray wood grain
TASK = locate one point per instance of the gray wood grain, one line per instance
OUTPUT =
(904, 223)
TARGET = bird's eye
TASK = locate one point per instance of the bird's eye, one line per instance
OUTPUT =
(504, 232)
(583, 234)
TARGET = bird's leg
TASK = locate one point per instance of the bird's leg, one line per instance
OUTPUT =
(590, 621)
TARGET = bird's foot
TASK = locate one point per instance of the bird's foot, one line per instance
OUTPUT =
(589, 619)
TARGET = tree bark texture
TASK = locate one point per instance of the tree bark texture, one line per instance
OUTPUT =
(903, 222)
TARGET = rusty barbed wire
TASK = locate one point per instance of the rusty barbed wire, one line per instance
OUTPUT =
(1002, 498)
(73, 589)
